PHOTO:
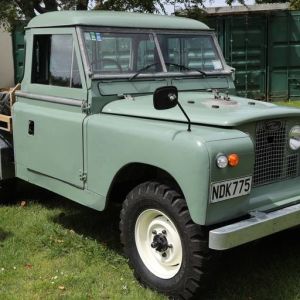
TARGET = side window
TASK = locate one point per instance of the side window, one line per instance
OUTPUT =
(54, 61)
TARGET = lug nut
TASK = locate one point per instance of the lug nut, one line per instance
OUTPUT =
(164, 254)
(170, 246)
(154, 232)
(164, 232)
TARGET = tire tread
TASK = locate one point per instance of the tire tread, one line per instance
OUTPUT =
(200, 256)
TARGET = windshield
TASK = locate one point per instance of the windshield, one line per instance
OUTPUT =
(189, 51)
(133, 53)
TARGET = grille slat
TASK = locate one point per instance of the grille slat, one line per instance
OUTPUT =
(272, 160)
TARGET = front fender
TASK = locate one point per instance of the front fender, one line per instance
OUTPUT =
(115, 141)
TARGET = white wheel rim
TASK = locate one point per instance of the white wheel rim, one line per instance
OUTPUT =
(164, 264)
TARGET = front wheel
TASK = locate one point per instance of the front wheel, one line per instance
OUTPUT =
(166, 249)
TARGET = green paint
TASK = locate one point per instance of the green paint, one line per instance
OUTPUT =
(114, 19)
(119, 131)
(201, 111)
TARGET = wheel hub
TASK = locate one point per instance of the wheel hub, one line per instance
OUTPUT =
(160, 242)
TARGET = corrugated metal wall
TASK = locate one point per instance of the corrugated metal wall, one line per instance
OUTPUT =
(265, 50)
(12, 57)
(284, 56)
(19, 53)
(6, 60)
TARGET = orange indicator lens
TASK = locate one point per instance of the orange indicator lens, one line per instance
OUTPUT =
(233, 160)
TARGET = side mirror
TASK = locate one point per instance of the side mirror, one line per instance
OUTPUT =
(165, 97)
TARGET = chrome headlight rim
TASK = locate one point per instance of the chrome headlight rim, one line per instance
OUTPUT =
(222, 160)
(294, 138)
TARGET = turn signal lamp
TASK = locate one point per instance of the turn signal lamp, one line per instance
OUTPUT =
(233, 160)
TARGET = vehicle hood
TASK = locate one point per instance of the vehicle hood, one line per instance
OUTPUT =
(202, 108)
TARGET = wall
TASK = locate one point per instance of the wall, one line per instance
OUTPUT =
(6, 60)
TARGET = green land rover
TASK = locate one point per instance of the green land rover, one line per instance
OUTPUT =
(140, 110)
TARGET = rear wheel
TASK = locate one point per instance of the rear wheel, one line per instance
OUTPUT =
(166, 249)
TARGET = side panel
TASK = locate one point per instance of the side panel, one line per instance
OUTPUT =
(55, 147)
(47, 116)
(115, 141)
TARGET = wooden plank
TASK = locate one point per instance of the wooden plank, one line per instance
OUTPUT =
(4, 89)
(12, 92)
(6, 123)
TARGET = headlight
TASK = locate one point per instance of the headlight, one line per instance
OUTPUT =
(222, 161)
(294, 138)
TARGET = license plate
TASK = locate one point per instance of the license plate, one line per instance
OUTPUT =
(228, 189)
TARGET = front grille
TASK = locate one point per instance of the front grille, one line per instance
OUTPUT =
(273, 162)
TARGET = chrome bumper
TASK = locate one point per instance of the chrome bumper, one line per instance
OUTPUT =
(259, 225)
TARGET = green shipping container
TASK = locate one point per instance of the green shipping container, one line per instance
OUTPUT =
(19, 53)
(265, 50)
(284, 56)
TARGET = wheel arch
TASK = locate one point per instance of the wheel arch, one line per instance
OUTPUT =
(133, 174)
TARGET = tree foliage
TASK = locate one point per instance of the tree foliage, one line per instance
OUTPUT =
(11, 12)
(295, 4)
(15, 10)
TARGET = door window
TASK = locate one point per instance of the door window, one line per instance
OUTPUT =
(54, 61)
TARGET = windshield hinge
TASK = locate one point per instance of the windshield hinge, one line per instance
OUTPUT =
(86, 107)
(82, 176)
(128, 97)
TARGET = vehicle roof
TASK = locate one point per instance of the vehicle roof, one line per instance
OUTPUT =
(114, 19)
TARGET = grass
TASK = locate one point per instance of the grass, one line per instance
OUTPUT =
(289, 103)
(52, 248)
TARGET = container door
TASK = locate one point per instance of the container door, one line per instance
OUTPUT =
(284, 56)
(217, 24)
(19, 53)
(246, 44)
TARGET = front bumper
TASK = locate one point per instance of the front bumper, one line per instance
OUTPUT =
(258, 226)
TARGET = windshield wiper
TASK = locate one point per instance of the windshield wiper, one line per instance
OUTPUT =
(186, 68)
(167, 64)
(143, 69)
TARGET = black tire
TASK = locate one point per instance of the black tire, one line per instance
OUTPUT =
(195, 252)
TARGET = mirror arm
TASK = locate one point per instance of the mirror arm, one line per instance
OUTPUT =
(185, 114)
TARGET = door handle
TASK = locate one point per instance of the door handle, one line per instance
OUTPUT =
(31, 127)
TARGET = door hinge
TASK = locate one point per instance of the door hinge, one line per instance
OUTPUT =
(86, 107)
(83, 176)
